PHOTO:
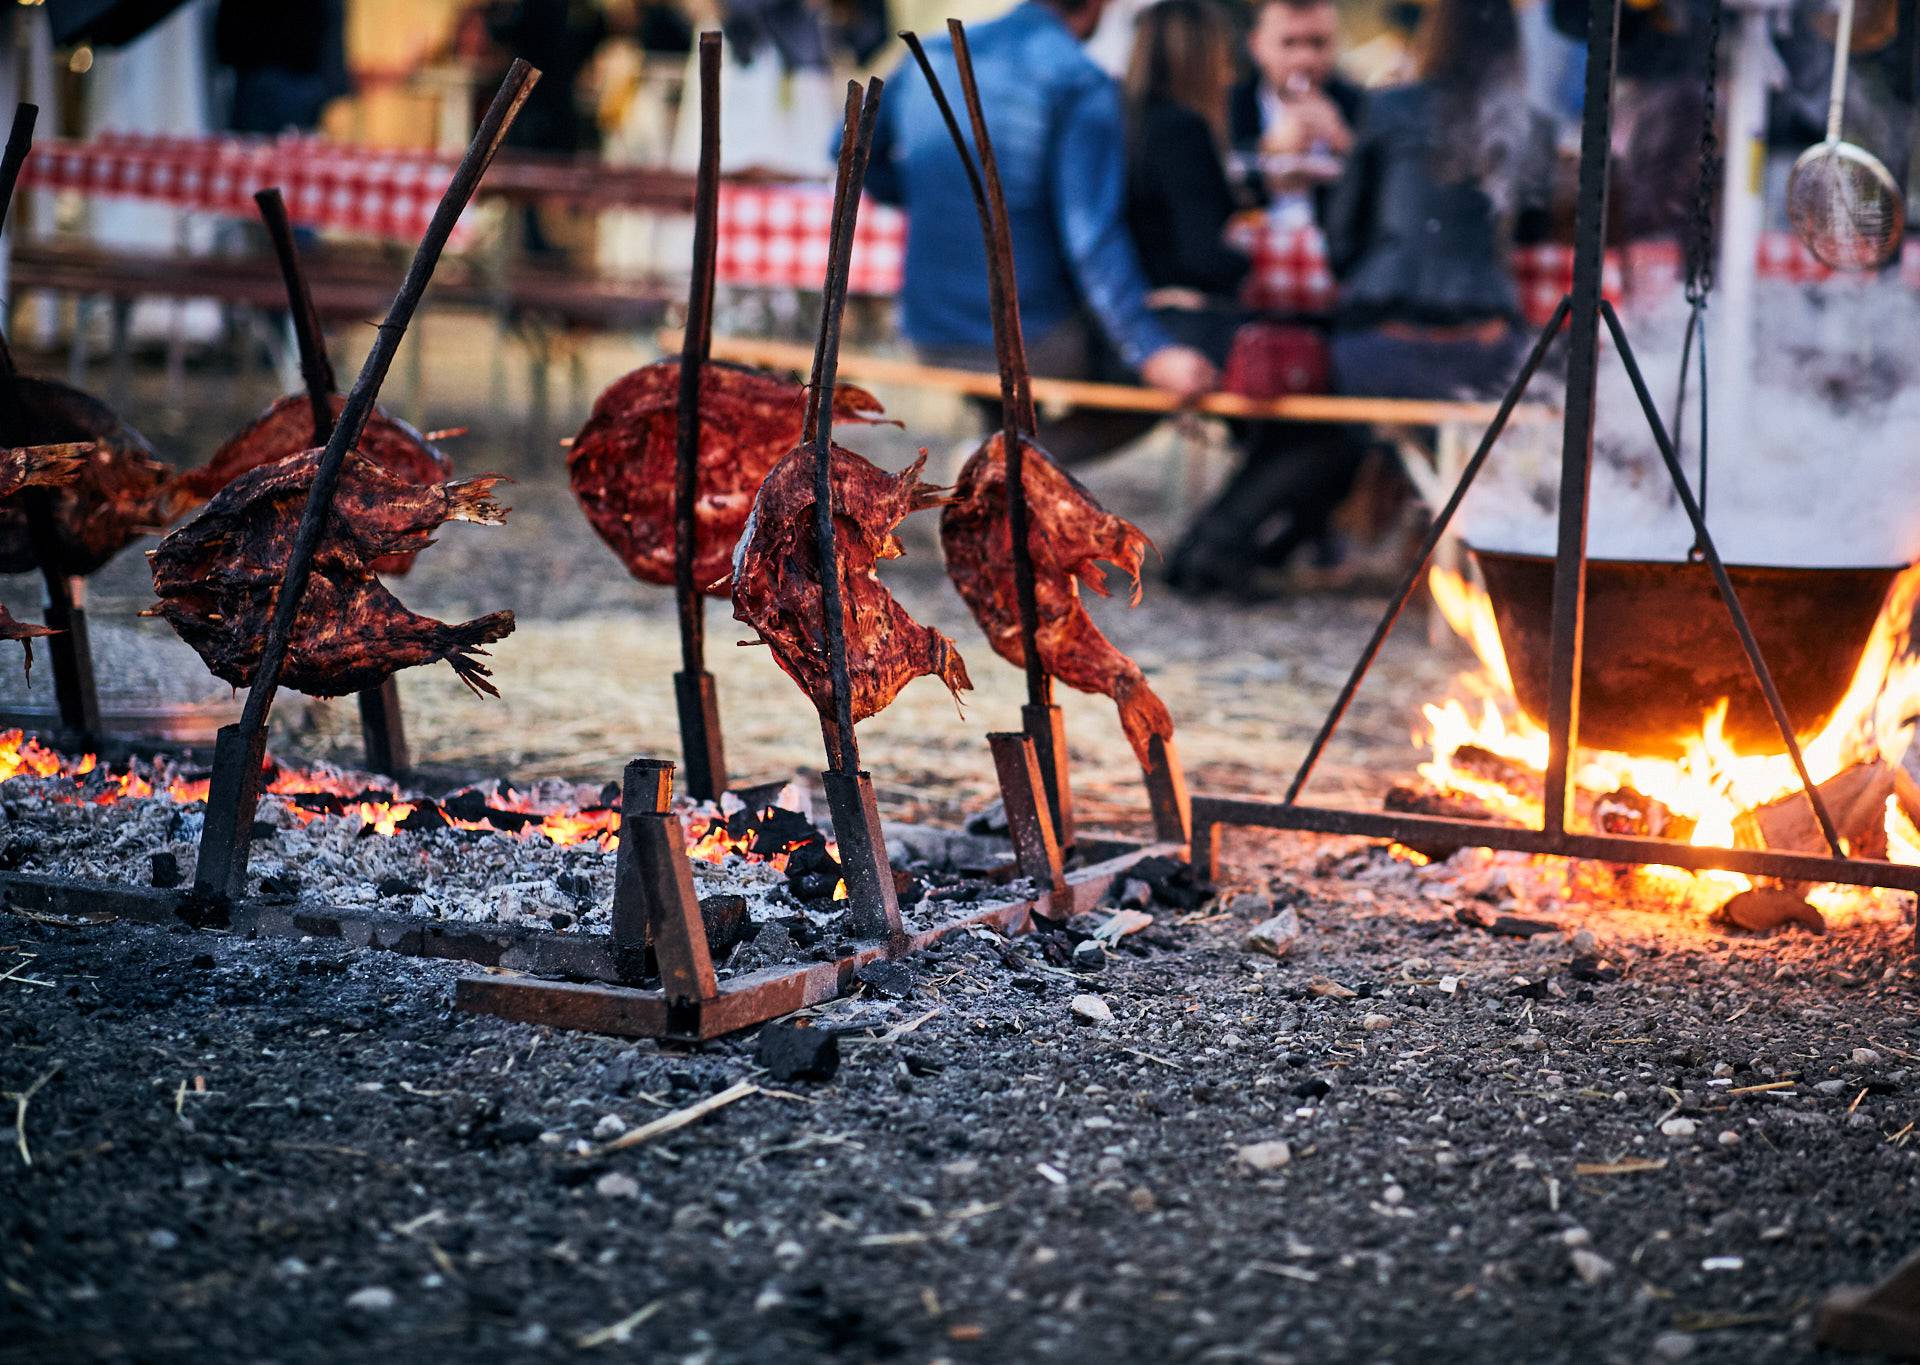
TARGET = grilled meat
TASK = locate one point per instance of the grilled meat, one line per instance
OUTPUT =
(776, 581)
(1070, 534)
(120, 493)
(622, 463)
(217, 577)
(286, 429)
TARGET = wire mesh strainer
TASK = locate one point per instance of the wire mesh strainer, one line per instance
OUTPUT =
(1843, 203)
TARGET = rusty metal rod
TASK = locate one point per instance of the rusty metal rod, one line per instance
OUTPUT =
(1411, 583)
(695, 347)
(1576, 448)
(1704, 540)
(1000, 261)
(856, 143)
(315, 368)
(75, 694)
(1433, 830)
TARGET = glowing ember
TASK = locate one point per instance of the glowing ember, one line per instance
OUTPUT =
(1480, 741)
(714, 832)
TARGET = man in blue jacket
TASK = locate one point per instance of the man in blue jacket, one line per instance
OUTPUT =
(1060, 140)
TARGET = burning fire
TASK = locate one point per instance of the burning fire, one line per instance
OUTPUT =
(1477, 742)
(714, 832)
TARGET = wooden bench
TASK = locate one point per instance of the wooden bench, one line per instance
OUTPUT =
(532, 301)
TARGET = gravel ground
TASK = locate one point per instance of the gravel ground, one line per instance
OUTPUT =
(253, 1151)
(1629, 1136)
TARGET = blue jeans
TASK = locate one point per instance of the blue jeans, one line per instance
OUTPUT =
(1371, 364)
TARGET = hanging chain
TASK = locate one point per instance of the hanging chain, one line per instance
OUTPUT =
(1699, 249)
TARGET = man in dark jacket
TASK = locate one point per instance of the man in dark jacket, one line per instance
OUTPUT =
(1294, 101)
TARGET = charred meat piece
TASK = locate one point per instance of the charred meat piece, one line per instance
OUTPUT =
(217, 577)
(120, 493)
(286, 429)
(622, 463)
(776, 581)
(26, 634)
(1070, 534)
(41, 466)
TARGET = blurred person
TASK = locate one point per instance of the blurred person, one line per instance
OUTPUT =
(1179, 204)
(1446, 176)
(1292, 118)
(289, 62)
(561, 38)
(1059, 137)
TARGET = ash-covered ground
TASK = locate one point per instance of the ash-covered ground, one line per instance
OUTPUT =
(1610, 1131)
(1624, 1137)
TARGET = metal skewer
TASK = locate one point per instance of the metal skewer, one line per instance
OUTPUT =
(873, 898)
(75, 694)
(1043, 720)
(241, 748)
(702, 751)
(383, 732)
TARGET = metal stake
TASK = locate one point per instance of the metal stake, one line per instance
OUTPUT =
(76, 696)
(654, 901)
(235, 788)
(383, 732)
(701, 746)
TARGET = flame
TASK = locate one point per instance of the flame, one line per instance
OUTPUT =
(1712, 784)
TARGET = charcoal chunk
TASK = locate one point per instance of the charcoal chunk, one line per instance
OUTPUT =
(798, 1052)
(888, 980)
(166, 872)
(726, 922)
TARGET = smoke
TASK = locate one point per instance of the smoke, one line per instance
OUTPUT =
(1815, 462)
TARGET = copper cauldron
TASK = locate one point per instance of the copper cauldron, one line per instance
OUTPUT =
(1661, 649)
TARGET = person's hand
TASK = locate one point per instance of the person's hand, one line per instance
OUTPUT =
(1180, 371)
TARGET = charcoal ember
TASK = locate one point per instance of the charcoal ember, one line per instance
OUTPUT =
(814, 886)
(777, 830)
(1503, 926)
(425, 816)
(16, 852)
(1130, 893)
(810, 857)
(777, 583)
(119, 493)
(1069, 536)
(1625, 811)
(1088, 956)
(286, 429)
(724, 917)
(919, 1064)
(798, 1052)
(908, 889)
(623, 464)
(280, 885)
(468, 805)
(217, 578)
(888, 980)
(1409, 798)
(575, 884)
(990, 819)
(769, 947)
(396, 886)
(263, 829)
(166, 872)
(1592, 969)
(1763, 909)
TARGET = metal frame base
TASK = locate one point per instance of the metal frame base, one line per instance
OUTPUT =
(1431, 831)
(754, 999)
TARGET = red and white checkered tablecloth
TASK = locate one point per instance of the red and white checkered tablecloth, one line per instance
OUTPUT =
(775, 236)
(379, 191)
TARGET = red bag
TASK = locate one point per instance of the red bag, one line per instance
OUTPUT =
(1277, 359)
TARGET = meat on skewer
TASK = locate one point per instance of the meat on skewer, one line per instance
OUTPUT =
(1069, 535)
(776, 581)
(35, 467)
(286, 429)
(217, 577)
(622, 464)
(121, 492)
